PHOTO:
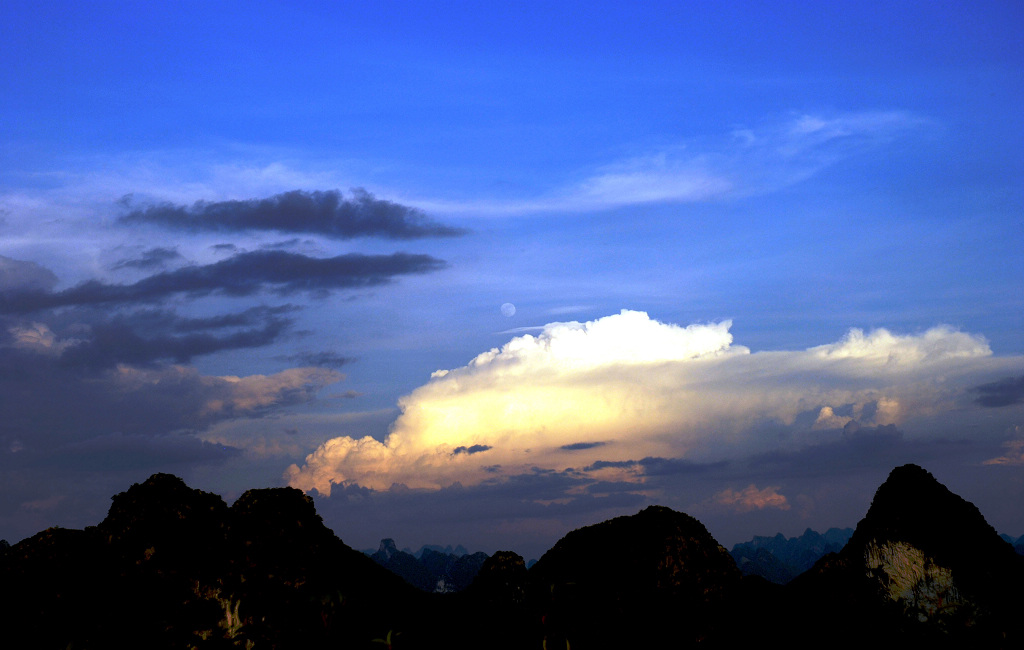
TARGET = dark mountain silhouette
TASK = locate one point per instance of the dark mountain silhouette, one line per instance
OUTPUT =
(174, 567)
(922, 565)
(780, 559)
(432, 571)
(617, 583)
(449, 572)
(501, 614)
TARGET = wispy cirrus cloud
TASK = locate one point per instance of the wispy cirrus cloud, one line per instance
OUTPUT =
(651, 179)
(152, 258)
(744, 162)
(169, 189)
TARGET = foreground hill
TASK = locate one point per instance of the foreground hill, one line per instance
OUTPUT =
(173, 567)
(923, 565)
(665, 567)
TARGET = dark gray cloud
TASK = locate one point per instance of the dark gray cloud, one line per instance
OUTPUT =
(857, 449)
(319, 359)
(117, 342)
(18, 276)
(603, 464)
(91, 337)
(247, 318)
(469, 451)
(77, 432)
(119, 451)
(244, 274)
(323, 213)
(656, 466)
(1005, 392)
(151, 259)
(578, 446)
(349, 394)
(48, 402)
(287, 244)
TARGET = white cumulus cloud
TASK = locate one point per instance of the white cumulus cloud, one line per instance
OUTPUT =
(627, 387)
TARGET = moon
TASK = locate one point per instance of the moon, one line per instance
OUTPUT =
(508, 310)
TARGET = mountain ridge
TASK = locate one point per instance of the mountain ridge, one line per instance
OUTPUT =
(175, 567)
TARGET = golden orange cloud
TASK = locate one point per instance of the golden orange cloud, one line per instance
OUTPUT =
(751, 498)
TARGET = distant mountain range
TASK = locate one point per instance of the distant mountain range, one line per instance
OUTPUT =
(429, 569)
(779, 559)
(1016, 542)
(173, 567)
(457, 551)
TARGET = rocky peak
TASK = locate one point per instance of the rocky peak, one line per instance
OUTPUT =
(162, 503)
(912, 507)
(387, 550)
(285, 513)
(924, 561)
(925, 589)
(644, 568)
(657, 546)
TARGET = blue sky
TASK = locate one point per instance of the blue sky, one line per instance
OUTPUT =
(289, 216)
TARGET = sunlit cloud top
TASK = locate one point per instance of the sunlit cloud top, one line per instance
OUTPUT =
(627, 387)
